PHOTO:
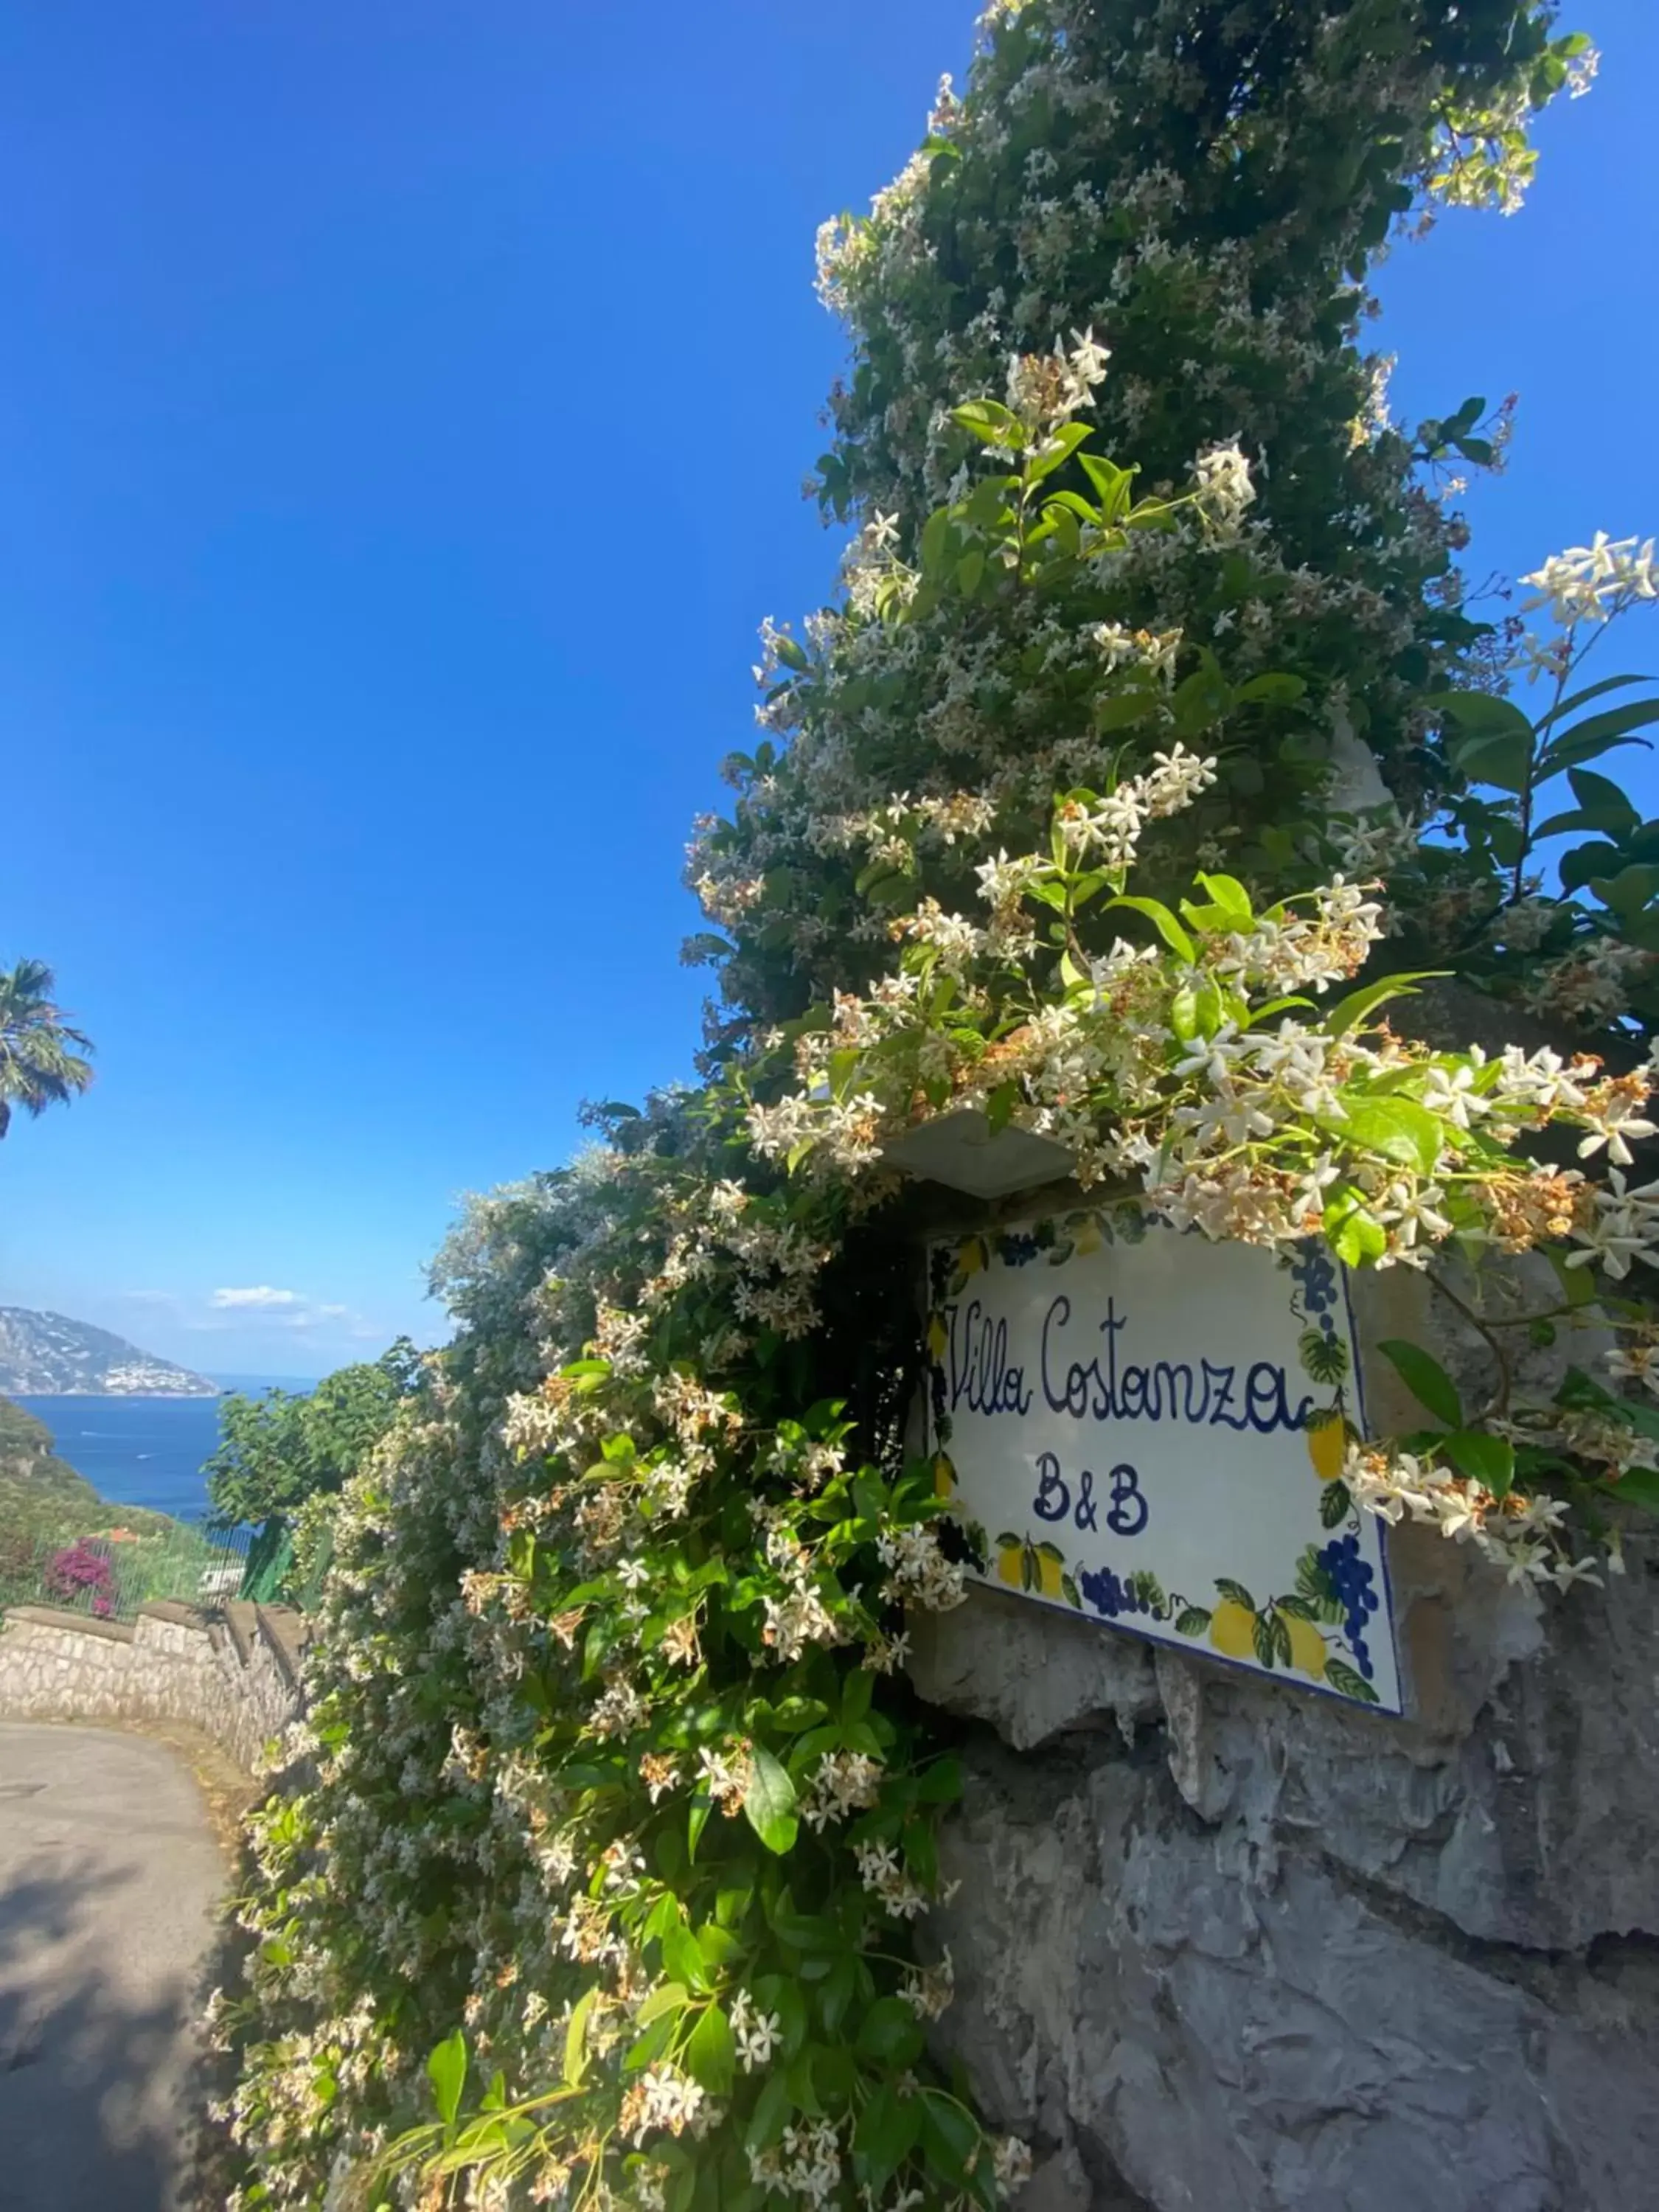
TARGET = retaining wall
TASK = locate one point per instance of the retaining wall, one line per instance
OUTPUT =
(233, 1674)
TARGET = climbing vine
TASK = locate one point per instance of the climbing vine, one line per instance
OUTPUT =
(605, 1872)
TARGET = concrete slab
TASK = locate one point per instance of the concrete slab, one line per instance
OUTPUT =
(108, 1878)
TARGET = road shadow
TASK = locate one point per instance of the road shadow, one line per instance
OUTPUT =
(87, 2081)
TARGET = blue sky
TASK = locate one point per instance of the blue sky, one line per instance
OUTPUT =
(401, 421)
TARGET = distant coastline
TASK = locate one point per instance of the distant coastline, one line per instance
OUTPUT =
(45, 1354)
(122, 1396)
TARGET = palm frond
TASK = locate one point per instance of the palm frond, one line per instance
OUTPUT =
(42, 1056)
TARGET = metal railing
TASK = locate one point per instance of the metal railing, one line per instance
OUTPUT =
(109, 1576)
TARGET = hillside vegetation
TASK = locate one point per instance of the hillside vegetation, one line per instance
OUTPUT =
(42, 1499)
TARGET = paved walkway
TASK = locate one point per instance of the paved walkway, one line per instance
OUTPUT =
(108, 1874)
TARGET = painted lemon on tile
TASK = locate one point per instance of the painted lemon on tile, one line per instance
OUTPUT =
(944, 1477)
(1328, 1444)
(1232, 1629)
(1051, 1571)
(1010, 1564)
(937, 1338)
(1308, 1653)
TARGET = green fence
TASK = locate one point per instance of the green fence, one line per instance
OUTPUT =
(109, 1577)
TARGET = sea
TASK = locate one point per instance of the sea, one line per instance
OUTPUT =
(145, 1451)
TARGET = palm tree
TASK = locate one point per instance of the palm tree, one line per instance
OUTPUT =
(37, 1068)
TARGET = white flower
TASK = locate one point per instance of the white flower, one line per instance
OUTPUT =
(1225, 488)
(1635, 1362)
(1089, 357)
(1610, 1125)
(670, 2101)
(756, 2033)
(1010, 2162)
(844, 1782)
(1451, 1093)
(1594, 582)
(1214, 1057)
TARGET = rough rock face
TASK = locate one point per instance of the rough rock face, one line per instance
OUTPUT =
(1221, 1942)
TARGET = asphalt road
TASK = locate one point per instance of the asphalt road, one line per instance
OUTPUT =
(108, 1876)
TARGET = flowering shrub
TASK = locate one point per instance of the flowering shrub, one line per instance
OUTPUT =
(81, 1570)
(1177, 195)
(609, 1879)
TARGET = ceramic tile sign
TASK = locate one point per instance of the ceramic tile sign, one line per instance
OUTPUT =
(1150, 1429)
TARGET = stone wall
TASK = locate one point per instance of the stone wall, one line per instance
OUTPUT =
(234, 1674)
(1221, 1942)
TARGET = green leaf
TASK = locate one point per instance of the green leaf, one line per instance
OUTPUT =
(1356, 1235)
(1630, 890)
(769, 1803)
(1264, 1635)
(1231, 895)
(992, 423)
(1121, 710)
(1057, 448)
(575, 2037)
(1505, 761)
(937, 536)
(1426, 1378)
(891, 2033)
(1192, 1621)
(951, 2134)
(1638, 1486)
(710, 2053)
(886, 2133)
(1112, 485)
(1333, 1504)
(836, 1991)
(648, 2047)
(941, 1783)
(987, 505)
(1599, 733)
(667, 1996)
(803, 2091)
(1479, 714)
(1399, 1128)
(1584, 862)
(1577, 699)
(717, 1945)
(1164, 922)
(1236, 1592)
(682, 1957)
(1484, 1459)
(1275, 689)
(446, 2069)
(1606, 806)
(772, 2108)
(858, 1687)
(1199, 699)
(1349, 1011)
(796, 1713)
